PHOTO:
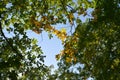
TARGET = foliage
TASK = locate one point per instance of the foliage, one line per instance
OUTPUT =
(95, 44)
(20, 55)
(35, 15)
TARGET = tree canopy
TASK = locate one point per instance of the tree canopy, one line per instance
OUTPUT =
(95, 44)
(91, 51)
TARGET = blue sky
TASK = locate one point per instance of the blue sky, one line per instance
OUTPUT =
(51, 47)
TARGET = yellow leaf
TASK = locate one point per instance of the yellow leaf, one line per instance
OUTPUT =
(68, 60)
(58, 56)
(38, 31)
(38, 24)
(62, 37)
(71, 16)
(63, 30)
(44, 18)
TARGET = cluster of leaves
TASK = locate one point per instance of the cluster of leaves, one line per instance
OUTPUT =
(98, 44)
(20, 55)
(94, 43)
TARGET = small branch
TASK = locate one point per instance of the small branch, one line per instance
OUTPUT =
(2, 34)
(72, 9)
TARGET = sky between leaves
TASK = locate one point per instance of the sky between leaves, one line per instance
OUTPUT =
(51, 47)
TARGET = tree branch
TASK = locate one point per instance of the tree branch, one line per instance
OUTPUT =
(2, 34)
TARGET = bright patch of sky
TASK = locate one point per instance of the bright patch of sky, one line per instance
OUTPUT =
(51, 47)
(9, 5)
